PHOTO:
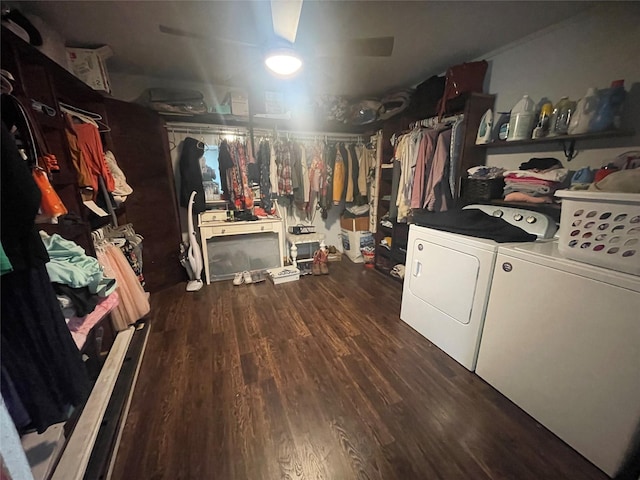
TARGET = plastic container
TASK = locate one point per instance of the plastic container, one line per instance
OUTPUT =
(609, 111)
(585, 110)
(484, 130)
(561, 117)
(601, 228)
(523, 115)
(542, 127)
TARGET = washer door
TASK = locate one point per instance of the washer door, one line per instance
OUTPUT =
(444, 278)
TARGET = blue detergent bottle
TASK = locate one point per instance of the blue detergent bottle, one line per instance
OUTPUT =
(610, 108)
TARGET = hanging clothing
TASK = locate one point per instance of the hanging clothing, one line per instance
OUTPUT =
(92, 155)
(20, 201)
(457, 137)
(438, 193)
(225, 163)
(297, 182)
(134, 303)
(122, 189)
(317, 174)
(355, 172)
(273, 171)
(326, 188)
(264, 163)
(191, 174)
(283, 162)
(83, 174)
(36, 347)
(339, 176)
(423, 166)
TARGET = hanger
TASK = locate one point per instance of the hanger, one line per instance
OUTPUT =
(85, 116)
(66, 106)
(201, 143)
(172, 141)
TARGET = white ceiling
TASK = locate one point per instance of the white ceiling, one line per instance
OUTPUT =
(429, 37)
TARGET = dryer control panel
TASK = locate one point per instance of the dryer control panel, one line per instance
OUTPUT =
(536, 223)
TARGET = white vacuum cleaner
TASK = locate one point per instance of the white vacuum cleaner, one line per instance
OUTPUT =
(194, 254)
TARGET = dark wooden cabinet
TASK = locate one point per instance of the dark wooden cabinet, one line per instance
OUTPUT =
(139, 142)
(138, 139)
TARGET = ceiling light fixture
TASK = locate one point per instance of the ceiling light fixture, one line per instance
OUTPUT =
(283, 62)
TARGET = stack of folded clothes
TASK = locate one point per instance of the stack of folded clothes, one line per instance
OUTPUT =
(536, 181)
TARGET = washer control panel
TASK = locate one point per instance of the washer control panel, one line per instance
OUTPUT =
(536, 223)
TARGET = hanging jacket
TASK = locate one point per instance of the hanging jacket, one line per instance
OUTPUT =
(191, 174)
(339, 184)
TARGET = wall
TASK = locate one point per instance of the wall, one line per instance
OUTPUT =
(589, 50)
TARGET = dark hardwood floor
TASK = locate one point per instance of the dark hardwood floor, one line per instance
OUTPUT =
(319, 379)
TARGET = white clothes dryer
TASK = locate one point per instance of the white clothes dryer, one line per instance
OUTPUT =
(562, 341)
(448, 278)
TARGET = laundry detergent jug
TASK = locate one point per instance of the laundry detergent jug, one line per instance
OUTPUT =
(523, 114)
(561, 117)
(585, 110)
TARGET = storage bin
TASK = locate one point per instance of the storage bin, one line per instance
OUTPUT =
(354, 242)
(601, 228)
(480, 190)
(283, 275)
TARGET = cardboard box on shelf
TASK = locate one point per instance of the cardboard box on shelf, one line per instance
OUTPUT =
(89, 66)
(357, 224)
(239, 103)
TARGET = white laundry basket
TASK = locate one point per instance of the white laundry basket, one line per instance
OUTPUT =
(601, 228)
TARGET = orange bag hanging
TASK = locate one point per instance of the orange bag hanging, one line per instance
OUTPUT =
(51, 205)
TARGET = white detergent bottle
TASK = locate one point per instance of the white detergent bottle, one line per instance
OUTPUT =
(523, 116)
(586, 109)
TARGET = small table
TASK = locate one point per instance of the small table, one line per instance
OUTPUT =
(305, 238)
(215, 228)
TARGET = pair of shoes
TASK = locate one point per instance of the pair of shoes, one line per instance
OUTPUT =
(320, 260)
(315, 266)
(242, 277)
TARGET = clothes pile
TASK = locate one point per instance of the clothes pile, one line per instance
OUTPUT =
(536, 181)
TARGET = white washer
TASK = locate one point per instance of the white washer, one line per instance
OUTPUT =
(562, 340)
(447, 282)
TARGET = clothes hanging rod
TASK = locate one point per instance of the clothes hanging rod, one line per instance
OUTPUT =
(433, 121)
(309, 135)
(196, 129)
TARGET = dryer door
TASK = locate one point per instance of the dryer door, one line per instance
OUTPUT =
(444, 277)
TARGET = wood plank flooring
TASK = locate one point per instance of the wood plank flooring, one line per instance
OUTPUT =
(319, 379)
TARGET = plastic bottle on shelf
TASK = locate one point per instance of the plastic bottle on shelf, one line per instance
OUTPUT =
(585, 110)
(542, 128)
(521, 121)
(603, 117)
(561, 116)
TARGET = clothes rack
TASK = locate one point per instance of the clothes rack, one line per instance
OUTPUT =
(199, 129)
(433, 121)
(302, 136)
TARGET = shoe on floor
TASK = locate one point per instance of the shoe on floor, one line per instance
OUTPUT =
(239, 278)
(246, 276)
